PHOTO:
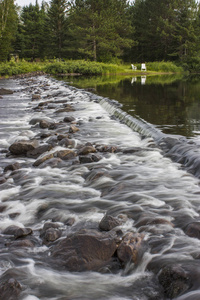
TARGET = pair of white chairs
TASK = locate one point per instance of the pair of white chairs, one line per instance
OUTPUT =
(143, 67)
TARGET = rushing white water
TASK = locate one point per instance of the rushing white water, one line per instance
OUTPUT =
(143, 184)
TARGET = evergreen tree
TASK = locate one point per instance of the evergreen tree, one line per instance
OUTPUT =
(164, 29)
(100, 28)
(31, 31)
(57, 27)
(8, 25)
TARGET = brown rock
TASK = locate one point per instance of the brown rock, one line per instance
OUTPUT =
(10, 289)
(38, 151)
(86, 150)
(12, 167)
(69, 143)
(108, 223)
(2, 179)
(36, 96)
(43, 159)
(73, 129)
(24, 243)
(65, 154)
(193, 230)
(5, 91)
(84, 251)
(44, 124)
(130, 248)
(17, 231)
(69, 119)
(23, 146)
(86, 159)
(52, 235)
(174, 280)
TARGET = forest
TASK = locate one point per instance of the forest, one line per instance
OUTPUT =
(102, 30)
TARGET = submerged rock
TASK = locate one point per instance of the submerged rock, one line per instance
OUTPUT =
(73, 129)
(90, 158)
(23, 146)
(174, 280)
(65, 154)
(10, 289)
(108, 223)
(84, 251)
(69, 119)
(43, 159)
(193, 230)
(12, 167)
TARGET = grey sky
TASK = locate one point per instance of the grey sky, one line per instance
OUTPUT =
(27, 2)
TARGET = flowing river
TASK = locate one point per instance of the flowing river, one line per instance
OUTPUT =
(90, 160)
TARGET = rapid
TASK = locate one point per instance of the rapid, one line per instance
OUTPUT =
(134, 173)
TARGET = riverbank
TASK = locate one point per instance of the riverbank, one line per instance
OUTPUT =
(89, 208)
(82, 67)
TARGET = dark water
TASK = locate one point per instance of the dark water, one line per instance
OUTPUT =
(170, 102)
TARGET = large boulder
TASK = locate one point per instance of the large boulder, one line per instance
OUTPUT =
(84, 251)
(23, 146)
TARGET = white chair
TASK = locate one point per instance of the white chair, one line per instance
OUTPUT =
(133, 67)
(143, 67)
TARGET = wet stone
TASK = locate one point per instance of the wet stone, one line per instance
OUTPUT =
(86, 150)
(36, 96)
(86, 159)
(12, 167)
(108, 223)
(69, 119)
(42, 160)
(17, 231)
(2, 179)
(10, 289)
(65, 154)
(24, 243)
(73, 129)
(44, 124)
(38, 151)
(84, 251)
(5, 91)
(52, 235)
(174, 280)
(23, 146)
(131, 248)
(106, 148)
(69, 143)
(193, 230)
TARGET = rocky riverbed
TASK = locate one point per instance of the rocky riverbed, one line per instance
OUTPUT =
(89, 209)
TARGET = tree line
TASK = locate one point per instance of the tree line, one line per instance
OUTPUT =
(101, 30)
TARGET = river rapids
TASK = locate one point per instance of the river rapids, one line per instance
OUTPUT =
(127, 175)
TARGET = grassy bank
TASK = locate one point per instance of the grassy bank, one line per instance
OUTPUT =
(82, 67)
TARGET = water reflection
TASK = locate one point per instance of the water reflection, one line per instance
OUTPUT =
(170, 102)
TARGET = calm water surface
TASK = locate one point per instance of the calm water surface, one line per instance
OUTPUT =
(169, 102)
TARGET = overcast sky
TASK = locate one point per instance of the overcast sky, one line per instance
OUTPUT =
(27, 2)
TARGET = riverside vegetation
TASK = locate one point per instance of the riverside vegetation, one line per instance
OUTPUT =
(82, 67)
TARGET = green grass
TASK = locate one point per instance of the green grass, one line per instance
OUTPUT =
(81, 67)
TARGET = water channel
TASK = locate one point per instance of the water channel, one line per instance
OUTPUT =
(143, 171)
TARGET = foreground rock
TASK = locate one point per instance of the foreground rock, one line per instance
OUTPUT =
(193, 230)
(174, 280)
(5, 91)
(131, 248)
(23, 146)
(84, 251)
(10, 289)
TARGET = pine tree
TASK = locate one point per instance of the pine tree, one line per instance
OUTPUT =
(57, 27)
(31, 31)
(8, 25)
(100, 28)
